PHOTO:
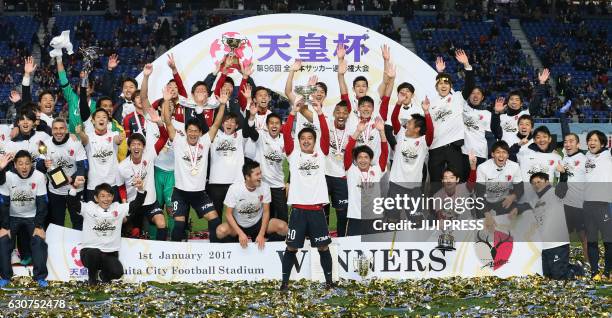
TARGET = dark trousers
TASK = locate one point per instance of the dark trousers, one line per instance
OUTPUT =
(340, 219)
(556, 265)
(278, 204)
(57, 212)
(597, 221)
(217, 193)
(448, 156)
(359, 227)
(38, 247)
(411, 215)
(107, 264)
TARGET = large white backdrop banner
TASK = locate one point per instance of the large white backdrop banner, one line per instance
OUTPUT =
(273, 42)
(198, 261)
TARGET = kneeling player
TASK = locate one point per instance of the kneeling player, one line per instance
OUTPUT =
(23, 210)
(248, 209)
(102, 221)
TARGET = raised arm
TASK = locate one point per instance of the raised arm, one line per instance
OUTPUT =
(429, 127)
(223, 99)
(498, 109)
(384, 85)
(469, 73)
(136, 205)
(348, 154)
(162, 140)
(82, 135)
(297, 65)
(342, 68)
(84, 109)
(176, 76)
(565, 128)
(384, 147)
(324, 139)
(147, 70)
(536, 100)
(166, 113)
(288, 125)
(72, 202)
(109, 79)
(246, 81)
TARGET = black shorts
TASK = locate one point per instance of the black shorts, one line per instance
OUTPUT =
(198, 200)
(574, 217)
(151, 210)
(309, 223)
(338, 189)
(252, 231)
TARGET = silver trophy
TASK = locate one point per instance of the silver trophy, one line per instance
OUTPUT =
(90, 54)
(446, 240)
(362, 264)
(306, 91)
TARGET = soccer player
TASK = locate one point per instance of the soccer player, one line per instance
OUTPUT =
(551, 224)
(523, 138)
(307, 194)
(572, 165)
(363, 177)
(27, 137)
(72, 97)
(24, 206)
(410, 155)
(190, 166)
(509, 120)
(305, 117)
(226, 160)
(261, 98)
(140, 165)
(269, 152)
(500, 181)
(404, 107)
(248, 209)
(447, 116)
(101, 149)
(597, 198)
(237, 103)
(102, 222)
(538, 157)
(125, 103)
(454, 188)
(335, 174)
(68, 154)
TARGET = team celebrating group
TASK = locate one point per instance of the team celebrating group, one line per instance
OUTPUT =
(117, 160)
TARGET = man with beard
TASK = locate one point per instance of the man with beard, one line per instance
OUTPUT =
(248, 210)
(307, 195)
(24, 206)
(69, 155)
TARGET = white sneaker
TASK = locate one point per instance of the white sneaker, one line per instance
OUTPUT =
(15, 259)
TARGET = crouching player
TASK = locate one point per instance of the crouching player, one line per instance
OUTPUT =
(102, 221)
(248, 210)
(24, 206)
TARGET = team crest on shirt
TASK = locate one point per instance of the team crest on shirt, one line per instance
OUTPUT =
(104, 227)
(569, 169)
(508, 127)
(360, 139)
(308, 124)
(22, 197)
(308, 167)
(187, 159)
(226, 147)
(442, 115)
(273, 157)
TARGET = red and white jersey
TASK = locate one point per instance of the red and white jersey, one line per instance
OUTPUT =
(509, 125)
(270, 153)
(498, 181)
(308, 185)
(191, 163)
(476, 122)
(23, 193)
(65, 156)
(334, 163)
(145, 169)
(576, 178)
(447, 116)
(358, 181)
(408, 161)
(226, 158)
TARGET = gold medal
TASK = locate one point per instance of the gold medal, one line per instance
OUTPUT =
(339, 156)
(194, 171)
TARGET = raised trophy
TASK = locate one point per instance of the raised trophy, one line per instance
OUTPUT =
(89, 54)
(232, 60)
(362, 263)
(306, 91)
